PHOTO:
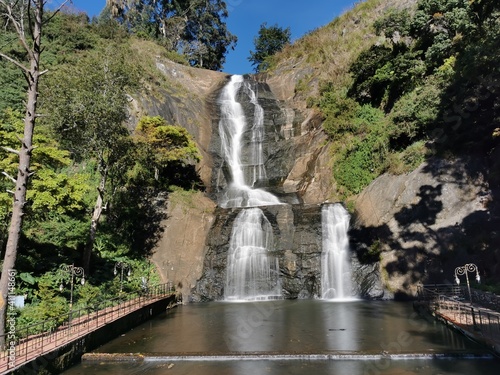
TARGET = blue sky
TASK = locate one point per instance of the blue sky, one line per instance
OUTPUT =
(246, 16)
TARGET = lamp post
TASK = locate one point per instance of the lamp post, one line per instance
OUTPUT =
(463, 270)
(122, 266)
(72, 272)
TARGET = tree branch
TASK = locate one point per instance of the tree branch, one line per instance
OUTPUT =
(58, 10)
(10, 150)
(18, 25)
(9, 177)
(15, 62)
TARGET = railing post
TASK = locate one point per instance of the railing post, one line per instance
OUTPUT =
(26, 344)
(43, 336)
(473, 318)
(489, 324)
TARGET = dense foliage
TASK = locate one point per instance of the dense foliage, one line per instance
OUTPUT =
(86, 157)
(430, 86)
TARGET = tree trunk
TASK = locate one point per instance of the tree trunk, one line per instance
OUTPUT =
(7, 280)
(96, 215)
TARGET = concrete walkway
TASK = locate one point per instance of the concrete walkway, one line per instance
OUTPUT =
(483, 326)
(35, 346)
(477, 322)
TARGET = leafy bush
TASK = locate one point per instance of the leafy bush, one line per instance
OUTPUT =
(404, 86)
(372, 253)
(394, 24)
(48, 304)
(408, 159)
(413, 113)
(339, 111)
(363, 160)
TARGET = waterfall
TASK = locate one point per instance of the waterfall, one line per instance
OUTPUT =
(245, 168)
(335, 260)
(252, 273)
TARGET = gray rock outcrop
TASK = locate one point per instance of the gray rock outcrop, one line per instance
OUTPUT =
(423, 224)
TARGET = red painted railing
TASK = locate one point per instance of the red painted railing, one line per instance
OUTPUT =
(453, 303)
(38, 339)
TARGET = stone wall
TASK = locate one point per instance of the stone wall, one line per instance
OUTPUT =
(297, 233)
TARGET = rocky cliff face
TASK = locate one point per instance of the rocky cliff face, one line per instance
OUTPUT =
(405, 230)
(183, 96)
(297, 233)
(295, 149)
(291, 157)
(424, 224)
(296, 156)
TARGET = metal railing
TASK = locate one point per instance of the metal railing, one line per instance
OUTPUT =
(38, 339)
(453, 303)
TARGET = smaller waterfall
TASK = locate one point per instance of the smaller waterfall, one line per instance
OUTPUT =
(257, 154)
(252, 274)
(335, 259)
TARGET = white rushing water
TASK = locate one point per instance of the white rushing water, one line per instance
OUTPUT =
(335, 259)
(246, 168)
(252, 273)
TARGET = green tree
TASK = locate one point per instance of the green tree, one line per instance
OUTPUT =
(87, 103)
(27, 19)
(394, 25)
(206, 36)
(163, 148)
(59, 196)
(484, 9)
(67, 36)
(439, 27)
(194, 27)
(51, 189)
(270, 40)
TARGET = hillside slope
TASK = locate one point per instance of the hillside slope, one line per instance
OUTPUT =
(415, 225)
(421, 224)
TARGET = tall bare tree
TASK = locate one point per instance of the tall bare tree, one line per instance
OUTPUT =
(26, 18)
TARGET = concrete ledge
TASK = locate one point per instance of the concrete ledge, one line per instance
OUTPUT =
(321, 355)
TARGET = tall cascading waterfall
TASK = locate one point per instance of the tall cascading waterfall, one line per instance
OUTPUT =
(246, 168)
(335, 259)
(252, 273)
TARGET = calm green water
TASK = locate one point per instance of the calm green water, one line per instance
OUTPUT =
(289, 327)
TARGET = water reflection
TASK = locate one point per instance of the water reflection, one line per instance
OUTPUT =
(288, 327)
(340, 325)
(249, 326)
